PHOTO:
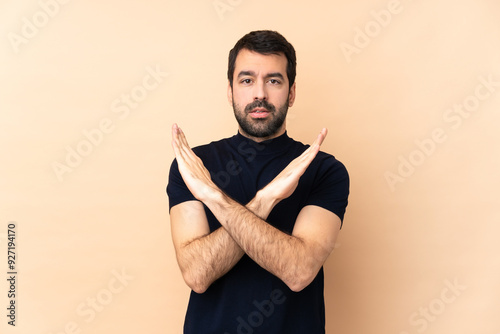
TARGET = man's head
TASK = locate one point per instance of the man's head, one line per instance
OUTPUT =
(265, 42)
(261, 73)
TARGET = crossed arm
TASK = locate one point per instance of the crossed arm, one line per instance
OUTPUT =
(203, 257)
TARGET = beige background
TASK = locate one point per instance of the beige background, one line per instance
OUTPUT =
(407, 235)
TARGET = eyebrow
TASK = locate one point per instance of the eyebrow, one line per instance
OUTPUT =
(269, 75)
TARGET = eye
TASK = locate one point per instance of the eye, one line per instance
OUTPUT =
(246, 81)
(274, 81)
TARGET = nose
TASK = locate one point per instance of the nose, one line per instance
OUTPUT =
(260, 92)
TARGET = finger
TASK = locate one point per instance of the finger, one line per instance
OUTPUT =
(317, 142)
(308, 155)
(178, 144)
(183, 141)
(190, 158)
(178, 137)
(314, 148)
(174, 130)
(183, 138)
(184, 145)
(175, 139)
(322, 136)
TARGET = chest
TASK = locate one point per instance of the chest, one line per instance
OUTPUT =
(240, 176)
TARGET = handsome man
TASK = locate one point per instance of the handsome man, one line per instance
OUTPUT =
(255, 216)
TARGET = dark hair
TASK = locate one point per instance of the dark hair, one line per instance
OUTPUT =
(265, 42)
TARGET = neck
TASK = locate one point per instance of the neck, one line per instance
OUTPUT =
(261, 139)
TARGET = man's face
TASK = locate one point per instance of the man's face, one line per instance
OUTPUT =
(260, 94)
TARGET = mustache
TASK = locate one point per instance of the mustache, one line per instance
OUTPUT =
(260, 104)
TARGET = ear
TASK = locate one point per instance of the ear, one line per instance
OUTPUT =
(291, 95)
(229, 93)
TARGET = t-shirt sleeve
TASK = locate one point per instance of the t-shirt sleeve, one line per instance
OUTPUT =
(331, 187)
(177, 190)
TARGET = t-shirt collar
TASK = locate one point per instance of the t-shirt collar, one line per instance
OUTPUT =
(270, 146)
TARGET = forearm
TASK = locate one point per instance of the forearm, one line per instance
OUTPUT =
(205, 259)
(288, 257)
(283, 255)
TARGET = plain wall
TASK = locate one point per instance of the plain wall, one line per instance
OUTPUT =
(90, 89)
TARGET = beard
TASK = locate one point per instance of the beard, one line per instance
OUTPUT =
(261, 127)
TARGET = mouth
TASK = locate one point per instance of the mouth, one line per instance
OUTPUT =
(259, 113)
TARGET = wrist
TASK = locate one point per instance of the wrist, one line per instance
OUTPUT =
(212, 195)
(262, 204)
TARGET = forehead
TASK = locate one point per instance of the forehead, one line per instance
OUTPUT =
(260, 64)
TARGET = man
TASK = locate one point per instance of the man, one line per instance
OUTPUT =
(255, 216)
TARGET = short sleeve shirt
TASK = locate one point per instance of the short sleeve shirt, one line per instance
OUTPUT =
(249, 299)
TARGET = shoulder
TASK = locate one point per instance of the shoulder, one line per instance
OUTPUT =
(328, 161)
(326, 172)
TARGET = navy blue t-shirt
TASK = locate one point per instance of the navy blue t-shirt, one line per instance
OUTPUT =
(249, 299)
